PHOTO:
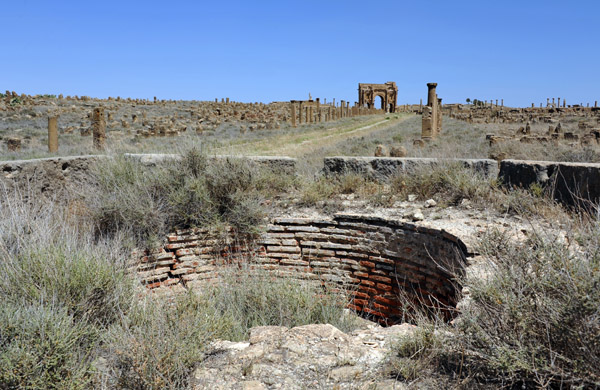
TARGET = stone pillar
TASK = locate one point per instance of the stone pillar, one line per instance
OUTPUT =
(532, 105)
(427, 123)
(438, 118)
(564, 103)
(547, 102)
(431, 94)
(293, 114)
(310, 115)
(342, 104)
(553, 105)
(502, 103)
(558, 104)
(421, 105)
(300, 112)
(99, 128)
(227, 100)
(53, 134)
(496, 103)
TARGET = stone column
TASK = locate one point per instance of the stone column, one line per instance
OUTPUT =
(310, 114)
(431, 94)
(300, 112)
(227, 100)
(438, 119)
(342, 104)
(99, 128)
(564, 103)
(502, 103)
(293, 114)
(547, 102)
(427, 123)
(496, 103)
(53, 134)
(558, 105)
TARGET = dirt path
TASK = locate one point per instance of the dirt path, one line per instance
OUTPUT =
(302, 144)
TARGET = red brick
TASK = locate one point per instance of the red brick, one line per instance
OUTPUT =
(369, 264)
(383, 279)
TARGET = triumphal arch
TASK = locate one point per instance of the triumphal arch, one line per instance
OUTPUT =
(388, 93)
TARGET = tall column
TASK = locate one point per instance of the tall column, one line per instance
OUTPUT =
(432, 102)
(300, 113)
(431, 94)
(99, 128)
(438, 118)
(502, 102)
(293, 114)
(558, 105)
(310, 114)
(53, 134)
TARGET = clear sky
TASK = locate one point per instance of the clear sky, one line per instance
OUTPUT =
(520, 51)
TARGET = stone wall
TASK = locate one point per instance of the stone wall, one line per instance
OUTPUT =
(375, 258)
(570, 183)
(55, 176)
(387, 166)
(50, 177)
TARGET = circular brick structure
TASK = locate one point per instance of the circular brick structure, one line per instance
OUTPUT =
(382, 262)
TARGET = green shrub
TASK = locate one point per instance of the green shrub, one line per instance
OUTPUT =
(535, 318)
(44, 347)
(159, 343)
(128, 198)
(85, 284)
(448, 182)
(190, 192)
(531, 319)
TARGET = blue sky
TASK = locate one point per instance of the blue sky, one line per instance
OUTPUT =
(519, 51)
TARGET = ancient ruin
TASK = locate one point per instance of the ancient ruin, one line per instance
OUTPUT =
(388, 93)
(432, 114)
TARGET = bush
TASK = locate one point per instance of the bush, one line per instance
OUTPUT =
(448, 182)
(159, 343)
(535, 318)
(44, 347)
(531, 319)
(190, 192)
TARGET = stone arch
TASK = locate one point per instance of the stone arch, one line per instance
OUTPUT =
(388, 93)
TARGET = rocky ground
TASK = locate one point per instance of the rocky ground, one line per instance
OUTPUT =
(304, 357)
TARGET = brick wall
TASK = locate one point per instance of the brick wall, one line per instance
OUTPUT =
(374, 257)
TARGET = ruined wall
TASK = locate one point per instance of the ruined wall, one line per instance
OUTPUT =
(381, 167)
(569, 183)
(376, 258)
(56, 176)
